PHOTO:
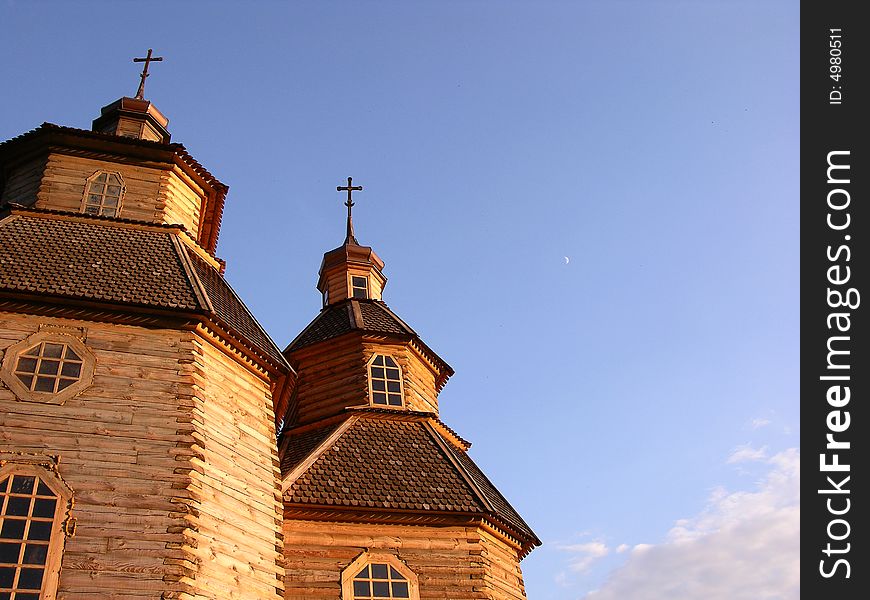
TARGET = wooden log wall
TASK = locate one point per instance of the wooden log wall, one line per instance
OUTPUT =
(450, 562)
(332, 376)
(182, 200)
(152, 193)
(22, 184)
(503, 576)
(65, 178)
(171, 457)
(118, 443)
(236, 479)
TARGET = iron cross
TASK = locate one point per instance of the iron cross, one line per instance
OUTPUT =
(140, 94)
(349, 188)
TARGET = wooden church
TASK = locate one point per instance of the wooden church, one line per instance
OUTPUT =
(154, 441)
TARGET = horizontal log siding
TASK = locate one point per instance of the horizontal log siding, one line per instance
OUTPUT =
(118, 444)
(450, 562)
(236, 480)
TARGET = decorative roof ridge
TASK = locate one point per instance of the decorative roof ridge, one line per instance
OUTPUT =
(315, 454)
(484, 501)
(237, 335)
(452, 436)
(529, 535)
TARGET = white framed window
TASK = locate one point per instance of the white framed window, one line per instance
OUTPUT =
(378, 576)
(34, 518)
(385, 381)
(104, 192)
(47, 367)
(359, 287)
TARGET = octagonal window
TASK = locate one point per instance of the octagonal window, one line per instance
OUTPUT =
(47, 367)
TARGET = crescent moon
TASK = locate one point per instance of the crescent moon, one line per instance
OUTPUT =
(567, 260)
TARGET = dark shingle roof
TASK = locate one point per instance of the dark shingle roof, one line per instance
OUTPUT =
(100, 260)
(338, 319)
(384, 464)
(394, 463)
(302, 444)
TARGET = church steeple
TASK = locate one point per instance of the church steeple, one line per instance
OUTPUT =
(351, 270)
(135, 117)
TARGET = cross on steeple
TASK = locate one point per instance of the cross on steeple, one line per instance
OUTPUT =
(140, 94)
(350, 189)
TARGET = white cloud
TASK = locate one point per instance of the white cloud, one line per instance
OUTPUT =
(759, 422)
(584, 554)
(622, 548)
(743, 546)
(746, 453)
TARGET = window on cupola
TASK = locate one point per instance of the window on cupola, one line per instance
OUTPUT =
(359, 287)
(103, 194)
(385, 381)
(30, 537)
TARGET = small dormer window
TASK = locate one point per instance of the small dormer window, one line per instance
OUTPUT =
(385, 381)
(103, 194)
(359, 287)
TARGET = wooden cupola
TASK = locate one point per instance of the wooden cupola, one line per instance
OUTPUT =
(351, 270)
(133, 117)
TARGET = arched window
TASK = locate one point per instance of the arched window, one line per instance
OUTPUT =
(33, 507)
(385, 381)
(375, 576)
(103, 194)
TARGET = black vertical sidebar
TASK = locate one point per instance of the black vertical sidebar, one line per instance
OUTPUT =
(835, 300)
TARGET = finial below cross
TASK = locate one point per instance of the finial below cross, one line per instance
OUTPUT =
(140, 94)
(350, 189)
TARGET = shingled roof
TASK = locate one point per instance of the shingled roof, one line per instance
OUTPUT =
(337, 319)
(397, 463)
(120, 263)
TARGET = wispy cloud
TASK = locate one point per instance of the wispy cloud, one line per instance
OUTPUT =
(746, 453)
(584, 555)
(759, 422)
(743, 546)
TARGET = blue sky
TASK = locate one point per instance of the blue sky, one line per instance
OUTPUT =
(589, 209)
